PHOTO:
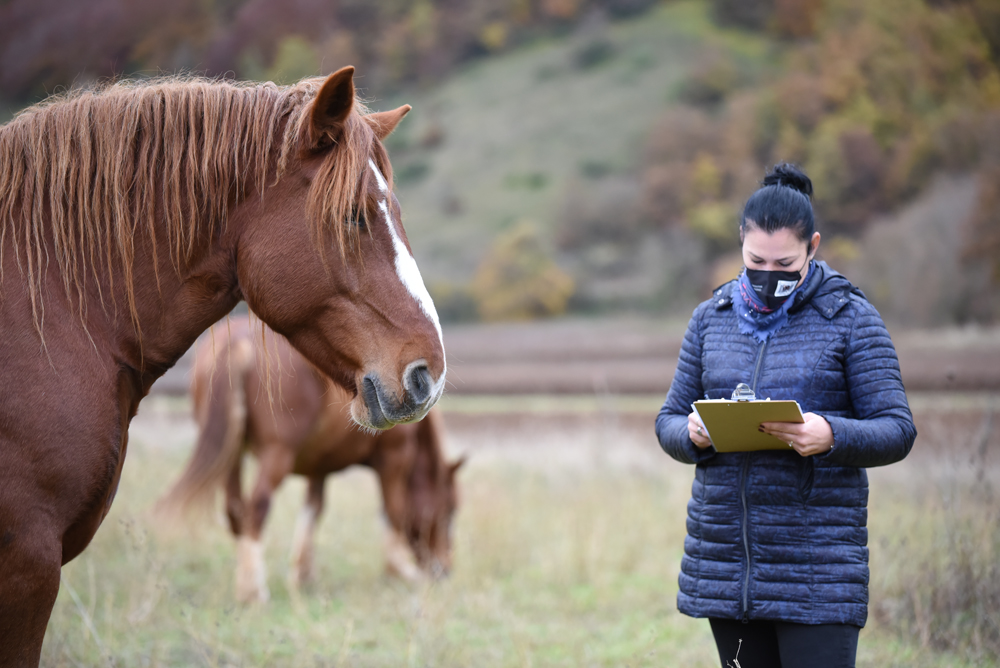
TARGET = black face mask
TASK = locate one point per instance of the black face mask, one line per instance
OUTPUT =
(773, 287)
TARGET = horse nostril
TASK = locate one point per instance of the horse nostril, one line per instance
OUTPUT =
(419, 384)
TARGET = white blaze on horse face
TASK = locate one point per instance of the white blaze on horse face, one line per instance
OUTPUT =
(406, 268)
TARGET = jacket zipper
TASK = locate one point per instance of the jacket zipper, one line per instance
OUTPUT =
(756, 368)
(743, 494)
(746, 537)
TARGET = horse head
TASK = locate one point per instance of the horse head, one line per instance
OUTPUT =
(430, 496)
(324, 261)
(433, 502)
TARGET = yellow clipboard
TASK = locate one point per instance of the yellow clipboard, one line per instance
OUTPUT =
(733, 425)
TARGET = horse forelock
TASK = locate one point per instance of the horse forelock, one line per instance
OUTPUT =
(91, 169)
(344, 175)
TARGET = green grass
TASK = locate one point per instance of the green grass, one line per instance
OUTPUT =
(547, 574)
(567, 551)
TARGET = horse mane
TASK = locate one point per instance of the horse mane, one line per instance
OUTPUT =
(85, 172)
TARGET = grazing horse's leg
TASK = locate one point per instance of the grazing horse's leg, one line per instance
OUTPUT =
(301, 569)
(251, 573)
(392, 463)
(399, 559)
(235, 507)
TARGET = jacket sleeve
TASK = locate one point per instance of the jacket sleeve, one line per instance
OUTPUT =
(671, 423)
(882, 430)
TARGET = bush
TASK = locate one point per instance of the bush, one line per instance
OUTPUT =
(753, 14)
(795, 18)
(712, 80)
(518, 280)
(716, 221)
(454, 303)
(984, 235)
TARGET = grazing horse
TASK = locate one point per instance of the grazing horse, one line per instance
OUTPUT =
(132, 218)
(252, 392)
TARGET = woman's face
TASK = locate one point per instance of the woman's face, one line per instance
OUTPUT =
(781, 250)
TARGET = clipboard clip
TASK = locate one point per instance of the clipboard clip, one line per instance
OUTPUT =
(743, 393)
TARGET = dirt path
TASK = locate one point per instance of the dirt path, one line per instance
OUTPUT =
(576, 356)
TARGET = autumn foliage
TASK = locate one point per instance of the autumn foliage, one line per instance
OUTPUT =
(518, 280)
(47, 44)
(872, 99)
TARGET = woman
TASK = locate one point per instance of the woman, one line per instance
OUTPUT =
(776, 554)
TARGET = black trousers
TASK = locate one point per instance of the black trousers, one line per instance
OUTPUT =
(766, 644)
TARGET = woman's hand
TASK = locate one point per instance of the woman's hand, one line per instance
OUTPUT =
(697, 432)
(812, 437)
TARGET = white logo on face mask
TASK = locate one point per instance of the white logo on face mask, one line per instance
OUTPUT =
(784, 288)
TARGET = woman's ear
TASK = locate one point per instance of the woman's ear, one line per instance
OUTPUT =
(814, 245)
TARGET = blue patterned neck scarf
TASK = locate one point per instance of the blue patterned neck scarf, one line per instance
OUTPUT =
(753, 315)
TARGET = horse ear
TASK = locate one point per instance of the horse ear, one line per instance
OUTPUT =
(384, 122)
(332, 106)
(455, 465)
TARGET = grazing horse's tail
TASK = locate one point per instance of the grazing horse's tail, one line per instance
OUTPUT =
(219, 395)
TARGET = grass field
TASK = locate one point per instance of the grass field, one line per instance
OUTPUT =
(568, 543)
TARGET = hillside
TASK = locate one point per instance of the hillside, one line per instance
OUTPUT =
(509, 139)
(591, 156)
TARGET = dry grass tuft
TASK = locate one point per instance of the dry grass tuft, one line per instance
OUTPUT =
(942, 586)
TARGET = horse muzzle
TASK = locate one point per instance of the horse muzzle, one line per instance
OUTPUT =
(385, 408)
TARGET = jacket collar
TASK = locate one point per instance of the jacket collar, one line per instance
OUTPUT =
(826, 290)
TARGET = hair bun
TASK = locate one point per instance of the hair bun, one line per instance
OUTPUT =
(785, 174)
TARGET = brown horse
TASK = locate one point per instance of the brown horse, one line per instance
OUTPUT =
(133, 217)
(253, 392)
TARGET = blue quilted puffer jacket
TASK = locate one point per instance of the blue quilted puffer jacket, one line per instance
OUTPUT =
(771, 534)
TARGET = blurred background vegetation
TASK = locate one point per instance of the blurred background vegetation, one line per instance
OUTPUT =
(592, 156)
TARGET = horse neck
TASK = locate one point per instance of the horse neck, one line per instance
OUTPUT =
(173, 305)
(179, 295)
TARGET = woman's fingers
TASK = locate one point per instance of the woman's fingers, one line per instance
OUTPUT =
(786, 431)
(812, 437)
(697, 433)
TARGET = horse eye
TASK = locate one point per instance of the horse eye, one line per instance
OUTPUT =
(358, 218)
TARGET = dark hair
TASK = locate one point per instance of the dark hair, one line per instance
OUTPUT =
(781, 201)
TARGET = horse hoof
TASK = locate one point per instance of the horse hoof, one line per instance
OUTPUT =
(253, 596)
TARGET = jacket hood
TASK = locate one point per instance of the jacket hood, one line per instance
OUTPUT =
(826, 289)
